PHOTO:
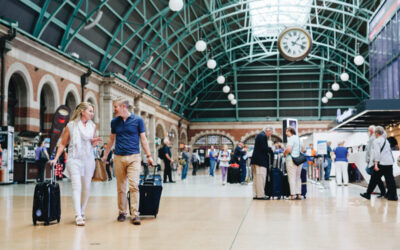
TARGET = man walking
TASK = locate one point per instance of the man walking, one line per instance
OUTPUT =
(127, 131)
(260, 162)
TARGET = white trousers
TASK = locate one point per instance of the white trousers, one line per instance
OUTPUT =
(80, 192)
(294, 176)
(341, 172)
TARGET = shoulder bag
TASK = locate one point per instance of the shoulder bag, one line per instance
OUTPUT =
(100, 173)
(300, 159)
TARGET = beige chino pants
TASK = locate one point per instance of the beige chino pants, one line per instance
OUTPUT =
(259, 178)
(127, 171)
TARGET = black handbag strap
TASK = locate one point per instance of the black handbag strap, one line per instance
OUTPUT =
(383, 145)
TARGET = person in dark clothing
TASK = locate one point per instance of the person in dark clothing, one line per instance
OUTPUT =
(195, 159)
(41, 158)
(241, 157)
(260, 161)
(108, 162)
(167, 161)
(329, 161)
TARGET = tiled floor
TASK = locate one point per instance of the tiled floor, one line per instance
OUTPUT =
(202, 214)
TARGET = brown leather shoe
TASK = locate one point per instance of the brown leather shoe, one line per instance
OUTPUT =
(136, 220)
(121, 217)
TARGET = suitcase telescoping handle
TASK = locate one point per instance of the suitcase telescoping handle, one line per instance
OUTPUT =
(154, 174)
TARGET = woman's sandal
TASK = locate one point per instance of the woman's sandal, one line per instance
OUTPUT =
(79, 221)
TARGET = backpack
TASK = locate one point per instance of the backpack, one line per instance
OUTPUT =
(161, 153)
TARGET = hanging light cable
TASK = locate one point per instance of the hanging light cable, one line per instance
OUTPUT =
(211, 63)
(329, 94)
(201, 45)
(221, 77)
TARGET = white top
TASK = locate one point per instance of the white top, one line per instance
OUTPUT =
(80, 150)
(224, 158)
(368, 150)
(294, 141)
(385, 157)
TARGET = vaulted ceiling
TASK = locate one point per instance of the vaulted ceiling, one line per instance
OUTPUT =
(150, 46)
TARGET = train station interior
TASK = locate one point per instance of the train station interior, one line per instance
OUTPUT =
(209, 82)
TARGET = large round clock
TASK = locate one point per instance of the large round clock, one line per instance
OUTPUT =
(294, 43)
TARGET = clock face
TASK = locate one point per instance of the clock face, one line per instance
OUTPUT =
(294, 44)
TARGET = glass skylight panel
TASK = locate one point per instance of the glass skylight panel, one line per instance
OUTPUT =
(270, 17)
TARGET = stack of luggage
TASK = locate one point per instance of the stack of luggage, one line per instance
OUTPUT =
(277, 183)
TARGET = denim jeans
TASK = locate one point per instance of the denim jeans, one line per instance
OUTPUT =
(212, 167)
(243, 173)
(184, 171)
(328, 169)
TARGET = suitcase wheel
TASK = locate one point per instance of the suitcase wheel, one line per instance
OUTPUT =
(34, 222)
(155, 216)
(58, 219)
(47, 223)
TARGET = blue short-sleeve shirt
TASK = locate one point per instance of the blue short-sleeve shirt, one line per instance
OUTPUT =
(127, 140)
(341, 154)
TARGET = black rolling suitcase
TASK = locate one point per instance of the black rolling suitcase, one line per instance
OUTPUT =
(46, 201)
(285, 180)
(233, 175)
(304, 183)
(150, 189)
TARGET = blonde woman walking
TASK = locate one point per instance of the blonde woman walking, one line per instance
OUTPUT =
(80, 134)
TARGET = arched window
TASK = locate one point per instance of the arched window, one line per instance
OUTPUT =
(213, 140)
(251, 140)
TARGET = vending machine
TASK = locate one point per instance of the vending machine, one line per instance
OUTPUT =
(7, 160)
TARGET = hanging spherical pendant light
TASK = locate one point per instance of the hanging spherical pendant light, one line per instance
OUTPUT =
(211, 63)
(335, 85)
(221, 79)
(226, 89)
(233, 102)
(176, 5)
(344, 76)
(201, 45)
(359, 59)
(231, 97)
(329, 94)
(324, 99)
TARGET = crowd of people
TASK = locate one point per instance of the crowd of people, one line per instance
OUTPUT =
(121, 154)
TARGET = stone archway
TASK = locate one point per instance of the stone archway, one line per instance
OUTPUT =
(47, 107)
(91, 98)
(71, 101)
(17, 102)
(183, 137)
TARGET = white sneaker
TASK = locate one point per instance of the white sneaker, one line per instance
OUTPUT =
(79, 221)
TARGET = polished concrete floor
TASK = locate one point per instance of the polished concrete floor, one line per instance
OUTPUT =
(200, 213)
